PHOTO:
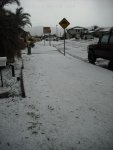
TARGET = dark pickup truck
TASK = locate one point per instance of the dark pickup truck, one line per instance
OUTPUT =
(103, 49)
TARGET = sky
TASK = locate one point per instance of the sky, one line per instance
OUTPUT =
(78, 12)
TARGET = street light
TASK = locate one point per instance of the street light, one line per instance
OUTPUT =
(57, 32)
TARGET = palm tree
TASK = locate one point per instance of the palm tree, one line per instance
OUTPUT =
(11, 25)
(7, 30)
(6, 2)
(22, 18)
(8, 34)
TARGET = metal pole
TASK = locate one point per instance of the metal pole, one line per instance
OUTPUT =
(44, 39)
(64, 42)
(49, 39)
(56, 32)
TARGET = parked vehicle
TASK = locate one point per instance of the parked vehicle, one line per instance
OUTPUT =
(103, 49)
(88, 36)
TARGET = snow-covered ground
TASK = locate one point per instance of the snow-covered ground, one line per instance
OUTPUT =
(10, 82)
(69, 104)
(78, 49)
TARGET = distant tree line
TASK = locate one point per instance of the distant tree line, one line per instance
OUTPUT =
(12, 34)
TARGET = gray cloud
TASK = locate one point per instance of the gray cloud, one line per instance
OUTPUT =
(78, 12)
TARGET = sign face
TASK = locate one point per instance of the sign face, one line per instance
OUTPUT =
(3, 61)
(46, 30)
(64, 23)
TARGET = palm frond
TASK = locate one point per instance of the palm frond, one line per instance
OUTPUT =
(6, 2)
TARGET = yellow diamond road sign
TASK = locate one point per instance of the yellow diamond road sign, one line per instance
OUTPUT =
(64, 23)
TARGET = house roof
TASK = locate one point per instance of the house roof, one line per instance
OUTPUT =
(78, 28)
(106, 29)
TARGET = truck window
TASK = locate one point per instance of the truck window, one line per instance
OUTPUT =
(104, 39)
(111, 39)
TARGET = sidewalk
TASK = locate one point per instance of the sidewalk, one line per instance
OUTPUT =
(69, 105)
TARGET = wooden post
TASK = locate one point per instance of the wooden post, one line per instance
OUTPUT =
(22, 64)
(29, 50)
(1, 77)
(13, 70)
(3, 61)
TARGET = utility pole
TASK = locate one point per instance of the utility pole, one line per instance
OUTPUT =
(57, 32)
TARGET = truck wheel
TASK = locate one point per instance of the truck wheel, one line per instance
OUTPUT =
(91, 57)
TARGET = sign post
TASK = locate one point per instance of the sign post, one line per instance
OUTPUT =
(44, 39)
(47, 30)
(49, 39)
(64, 41)
(64, 24)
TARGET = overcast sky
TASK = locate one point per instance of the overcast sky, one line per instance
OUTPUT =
(77, 12)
